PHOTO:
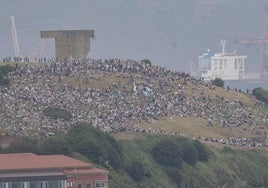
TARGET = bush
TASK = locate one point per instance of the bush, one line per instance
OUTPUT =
(95, 144)
(175, 175)
(115, 158)
(24, 145)
(137, 171)
(56, 145)
(227, 149)
(218, 82)
(57, 113)
(171, 152)
(168, 153)
(203, 153)
(260, 94)
(4, 81)
(189, 151)
(4, 70)
(147, 62)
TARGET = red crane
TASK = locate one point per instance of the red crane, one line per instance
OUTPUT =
(262, 43)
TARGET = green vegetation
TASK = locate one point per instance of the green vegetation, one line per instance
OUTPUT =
(203, 152)
(4, 70)
(147, 62)
(167, 153)
(99, 147)
(155, 161)
(172, 152)
(260, 94)
(218, 82)
(57, 145)
(23, 145)
(137, 171)
(57, 113)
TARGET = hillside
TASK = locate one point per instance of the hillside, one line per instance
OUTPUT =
(226, 167)
(122, 97)
(155, 161)
(143, 107)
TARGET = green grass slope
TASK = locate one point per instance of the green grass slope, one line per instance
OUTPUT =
(226, 167)
(162, 161)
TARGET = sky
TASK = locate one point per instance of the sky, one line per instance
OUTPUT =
(170, 33)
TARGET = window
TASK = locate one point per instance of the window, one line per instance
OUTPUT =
(62, 184)
(236, 63)
(35, 184)
(53, 184)
(16, 185)
(215, 63)
(89, 185)
(79, 185)
(240, 63)
(225, 63)
(2, 185)
(101, 184)
(220, 65)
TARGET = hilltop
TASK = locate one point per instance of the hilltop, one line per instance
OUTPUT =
(127, 96)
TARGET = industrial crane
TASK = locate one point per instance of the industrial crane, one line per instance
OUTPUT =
(15, 37)
(262, 43)
(39, 51)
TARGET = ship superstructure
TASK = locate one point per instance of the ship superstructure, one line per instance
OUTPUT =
(227, 66)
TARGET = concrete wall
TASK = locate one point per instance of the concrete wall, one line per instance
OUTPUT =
(70, 43)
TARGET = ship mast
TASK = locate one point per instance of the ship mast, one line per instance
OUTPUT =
(223, 44)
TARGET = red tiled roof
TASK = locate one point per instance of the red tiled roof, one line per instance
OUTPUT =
(29, 161)
(85, 171)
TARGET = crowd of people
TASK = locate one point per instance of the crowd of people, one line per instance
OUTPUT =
(142, 93)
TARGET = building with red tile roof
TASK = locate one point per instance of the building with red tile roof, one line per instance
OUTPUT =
(28, 170)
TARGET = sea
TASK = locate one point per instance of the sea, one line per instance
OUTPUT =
(245, 85)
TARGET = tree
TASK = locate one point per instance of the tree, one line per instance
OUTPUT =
(260, 94)
(4, 70)
(147, 62)
(137, 171)
(189, 151)
(24, 145)
(56, 145)
(203, 152)
(57, 113)
(98, 146)
(218, 82)
(168, 153)
(175, 175)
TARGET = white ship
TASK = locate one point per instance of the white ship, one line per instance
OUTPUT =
(227, 66)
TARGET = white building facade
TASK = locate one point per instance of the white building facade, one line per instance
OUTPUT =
(227, 66)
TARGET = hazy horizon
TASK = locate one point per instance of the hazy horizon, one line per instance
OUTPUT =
(171, 33)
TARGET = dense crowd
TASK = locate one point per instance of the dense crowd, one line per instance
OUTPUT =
(152, 93)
